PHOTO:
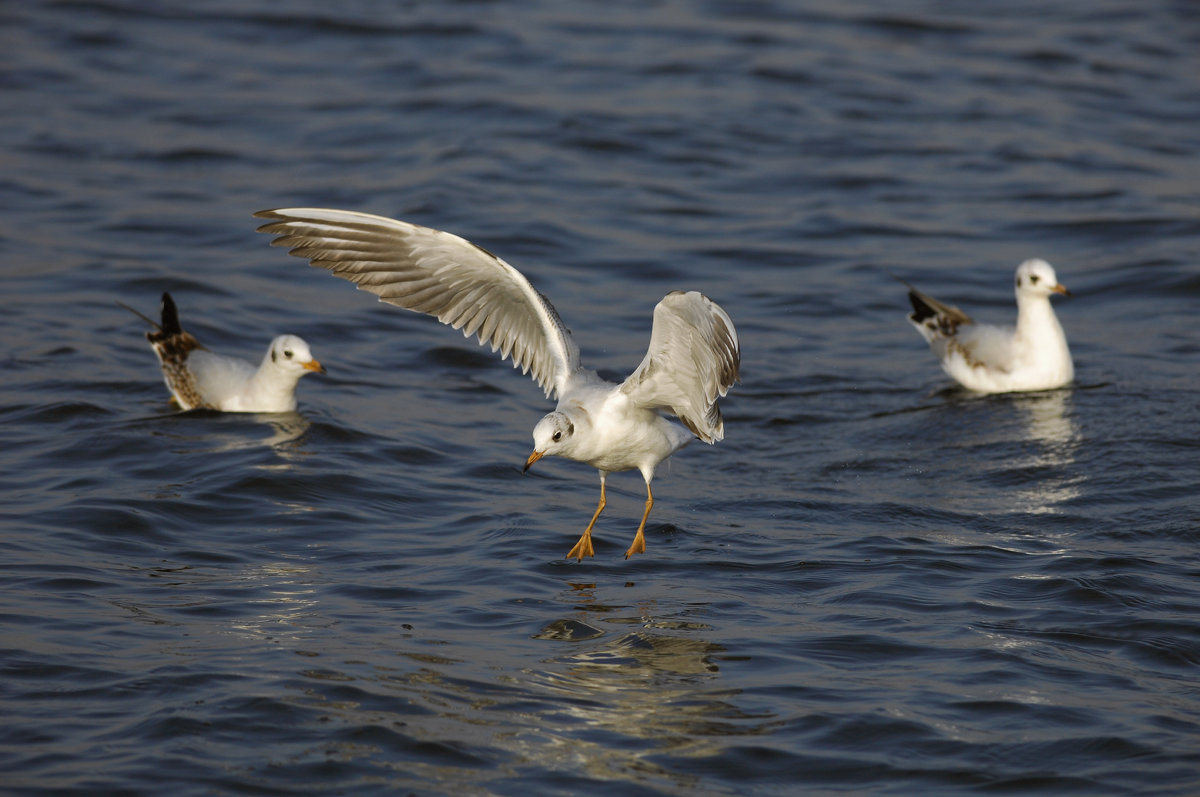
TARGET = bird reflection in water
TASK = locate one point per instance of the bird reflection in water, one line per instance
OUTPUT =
(286, 430)
(223, 433)
(655, 680)
(1051, 426)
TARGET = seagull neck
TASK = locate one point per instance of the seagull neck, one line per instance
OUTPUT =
(274, 385)
(1035, 314)
(1033, 308)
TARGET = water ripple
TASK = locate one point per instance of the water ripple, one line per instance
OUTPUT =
(876, 584)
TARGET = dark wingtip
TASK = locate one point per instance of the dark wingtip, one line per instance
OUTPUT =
(921, 311)
(170, 316)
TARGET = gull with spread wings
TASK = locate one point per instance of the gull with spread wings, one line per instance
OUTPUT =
(692, 361)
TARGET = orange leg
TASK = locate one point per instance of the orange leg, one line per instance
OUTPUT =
(639, 540)
(584, 546)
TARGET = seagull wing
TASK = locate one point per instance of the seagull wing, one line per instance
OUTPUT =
(692, 361)
(442, 275)
(933, 318)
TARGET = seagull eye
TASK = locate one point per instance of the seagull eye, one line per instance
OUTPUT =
(1033, 279)
(557, 436)
(287, 353)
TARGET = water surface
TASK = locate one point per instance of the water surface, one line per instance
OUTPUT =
(875, 585)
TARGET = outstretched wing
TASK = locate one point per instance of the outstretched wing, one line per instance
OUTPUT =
(442, 275)
(692, 361)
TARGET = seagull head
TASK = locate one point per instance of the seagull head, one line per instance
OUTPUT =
(291, 355)
(554, 434)
(1037, 278)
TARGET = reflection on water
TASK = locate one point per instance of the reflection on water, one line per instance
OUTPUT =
(273, 600)
(624, 685)
(226, 432)
(657, 685)
(284, 602)
(286, 430)
(226, 611)
(1050, 424)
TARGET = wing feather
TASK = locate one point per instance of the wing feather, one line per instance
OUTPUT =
(933, 318)
(434, 272)
(693, 360)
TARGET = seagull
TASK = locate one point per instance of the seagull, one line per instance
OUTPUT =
(692, 361)
(1001, 359)
(200, 379)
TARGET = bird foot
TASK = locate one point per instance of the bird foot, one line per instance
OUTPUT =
(583, 547)
(639, 545)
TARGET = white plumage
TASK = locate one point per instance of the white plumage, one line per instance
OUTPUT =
(692, 360)
(201, 379)
(1033, 355)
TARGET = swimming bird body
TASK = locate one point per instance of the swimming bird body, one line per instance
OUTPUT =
(692, 360)
(1033, 355)
(201, 379)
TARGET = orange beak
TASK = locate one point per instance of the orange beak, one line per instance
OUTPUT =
(1061, 289)
(313, 365)
(534, 457)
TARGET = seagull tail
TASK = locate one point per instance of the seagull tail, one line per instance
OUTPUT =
(170, 317)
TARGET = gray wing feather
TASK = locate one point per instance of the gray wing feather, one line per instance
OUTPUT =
(439, 274)
(692, 361)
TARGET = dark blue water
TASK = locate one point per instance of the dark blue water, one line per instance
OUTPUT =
(874, 585)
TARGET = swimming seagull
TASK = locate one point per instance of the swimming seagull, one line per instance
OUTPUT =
(200, 379)
(692, 360)
(995, 359)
